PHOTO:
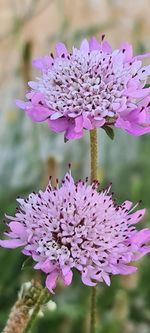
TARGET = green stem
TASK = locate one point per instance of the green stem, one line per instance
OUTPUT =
(43, 298)
(93, 146)
(94, 155)
(93, 310)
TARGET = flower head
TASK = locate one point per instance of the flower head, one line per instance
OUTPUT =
(76, 227)
(91, 87)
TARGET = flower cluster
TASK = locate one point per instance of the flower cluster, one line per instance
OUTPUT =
(73, 226)
(91, 87)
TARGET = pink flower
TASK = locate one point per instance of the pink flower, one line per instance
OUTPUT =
(75, 227)
(91, 87)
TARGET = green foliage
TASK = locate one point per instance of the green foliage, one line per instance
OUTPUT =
(109, 131)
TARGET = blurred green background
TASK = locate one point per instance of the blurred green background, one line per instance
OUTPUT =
(29, 153)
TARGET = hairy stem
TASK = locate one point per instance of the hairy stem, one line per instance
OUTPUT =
(43, 298)
(20, 312)
(94, 155)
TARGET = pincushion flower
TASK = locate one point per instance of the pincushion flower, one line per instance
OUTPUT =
(73, 227)
(91, 87)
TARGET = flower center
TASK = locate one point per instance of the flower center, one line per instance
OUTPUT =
(84, 82)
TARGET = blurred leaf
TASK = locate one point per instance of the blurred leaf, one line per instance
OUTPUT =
(109, 131)
(65, 140)
(27, 263)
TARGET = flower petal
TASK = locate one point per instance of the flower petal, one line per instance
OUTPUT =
(38, 113)
(106, 47)
(94, 44)
(12, 243)
(18, 228)
(67, 278)
(106, 278)
(127, 50)
(125, 270)
(43, 63)
(78, 124)
(58, 125)
(137, 216)
(51, 281)
(61, 49)
(137, 93)
(84, 46)
(87, 281)
(47, 266)
(21, 104)
(141, 237)
(71, 133)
